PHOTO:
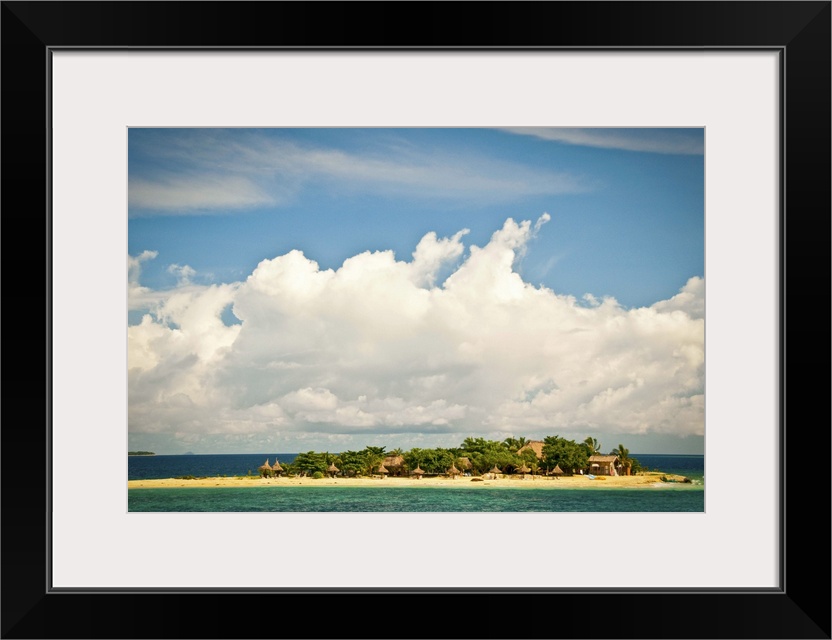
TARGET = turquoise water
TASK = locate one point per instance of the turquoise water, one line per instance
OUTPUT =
(667, 498)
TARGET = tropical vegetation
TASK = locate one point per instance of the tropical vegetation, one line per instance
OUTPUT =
(474, 455)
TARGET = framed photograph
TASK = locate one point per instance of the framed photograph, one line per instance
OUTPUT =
(524, 249)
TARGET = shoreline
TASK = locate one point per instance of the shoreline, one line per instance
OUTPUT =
(647, 480)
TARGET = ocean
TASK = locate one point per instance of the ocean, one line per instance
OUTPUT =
(457, 498)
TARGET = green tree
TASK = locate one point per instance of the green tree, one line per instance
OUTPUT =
(413, 458)
(570, 455)
(351, 463)
(529, 457)
(513, 444)
(624, 458)
(477, 445)
(310, 462)
(592, 445)
(430, 460)
(372, 457)
(485, 454)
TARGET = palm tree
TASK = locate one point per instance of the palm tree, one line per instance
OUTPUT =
(593, 445)
(372, 456)
(513, 444)
(623, 457)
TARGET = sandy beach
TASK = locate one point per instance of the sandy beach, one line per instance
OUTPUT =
(647, 480)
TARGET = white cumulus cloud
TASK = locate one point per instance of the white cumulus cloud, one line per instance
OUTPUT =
(385, 346)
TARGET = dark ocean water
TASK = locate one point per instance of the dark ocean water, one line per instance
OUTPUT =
(149, 467)
(236, 464)
(458, 498)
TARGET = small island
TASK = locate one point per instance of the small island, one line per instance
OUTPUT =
(140, 453)
(551, 462)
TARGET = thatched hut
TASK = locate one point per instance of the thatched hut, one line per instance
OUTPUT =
(604, 465)
(534, 445)
(383, 471)
(276, 468)
(332, 470)
(265, 469)
(395, 465)
(417, 472)
(465, 464)
(453, 471)
(557, 471)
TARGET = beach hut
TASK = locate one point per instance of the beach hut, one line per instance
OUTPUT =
(603, 465)
(417, 472)
(394, 464)
(276, 468)
(453, 472)
(265, 469)
(534, 445)
(383, 471)
(332, 470)
(494, 471)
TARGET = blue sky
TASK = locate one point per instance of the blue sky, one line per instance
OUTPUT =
(614, 224)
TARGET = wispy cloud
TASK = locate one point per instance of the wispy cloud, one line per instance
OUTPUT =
(669, 141)
(208, 172)
(202, 193)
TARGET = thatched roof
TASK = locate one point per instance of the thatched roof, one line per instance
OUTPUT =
(496, 469)
(534, 445)
(393, 461)
(453, 471)
(333, 468)
(557, 471)
(524, 469)
(382, 469)
(265, 465)
(603, 458)
(276, 466)
(465, 463)
(417, 471)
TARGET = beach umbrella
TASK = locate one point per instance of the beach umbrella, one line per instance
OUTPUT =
(264, 468)
(496, 469)
(524, 469)
(453, 471)
(383, 469)
(417, 472)
(333, 469)
(557, 471)
(276, 467)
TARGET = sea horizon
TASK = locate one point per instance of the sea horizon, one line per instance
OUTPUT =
(158, 466)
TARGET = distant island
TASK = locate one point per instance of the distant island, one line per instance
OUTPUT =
(140, 453)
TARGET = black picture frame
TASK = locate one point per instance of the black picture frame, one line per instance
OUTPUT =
(799, 608)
